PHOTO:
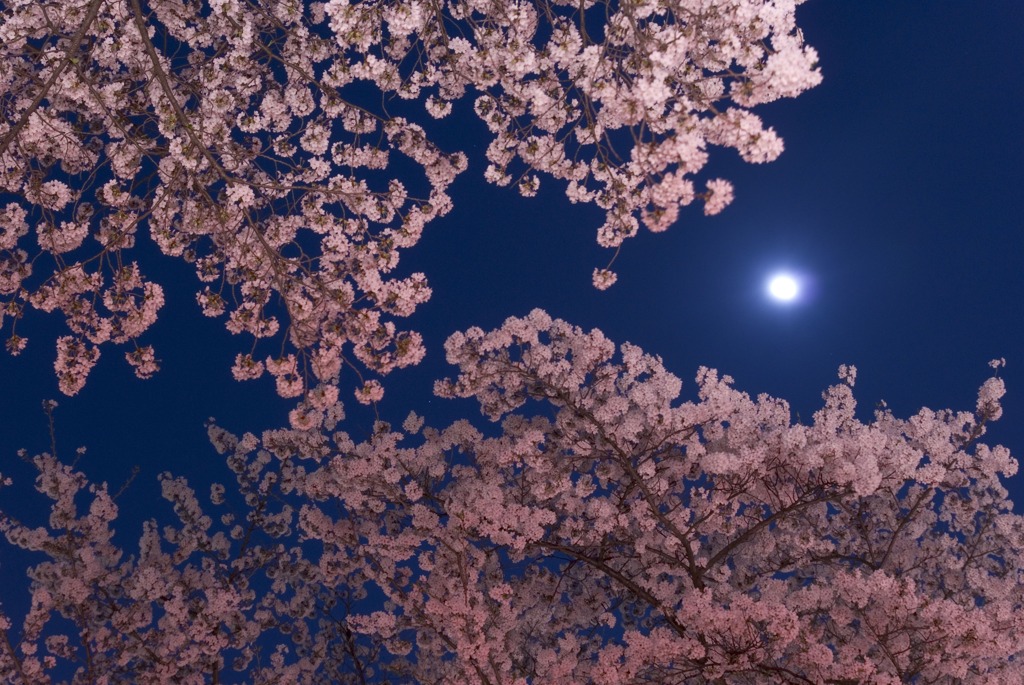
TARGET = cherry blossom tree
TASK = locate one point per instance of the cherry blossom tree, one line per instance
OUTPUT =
(274, 145)
(597, 530)
(600, 531)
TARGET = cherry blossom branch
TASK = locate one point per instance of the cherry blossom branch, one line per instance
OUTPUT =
(70, 56)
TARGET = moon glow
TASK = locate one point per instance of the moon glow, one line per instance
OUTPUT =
(783, 287)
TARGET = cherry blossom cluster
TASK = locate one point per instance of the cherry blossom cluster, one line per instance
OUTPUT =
(600, 530)
(625, 115)
(200, 600)
(260, 142)
(620, 101)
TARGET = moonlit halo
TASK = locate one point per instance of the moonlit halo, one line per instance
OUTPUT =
(783, 287)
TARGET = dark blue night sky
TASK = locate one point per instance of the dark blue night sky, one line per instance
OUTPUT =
(897, 200)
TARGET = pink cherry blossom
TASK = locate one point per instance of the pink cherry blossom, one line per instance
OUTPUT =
(267, 158)
(604, 531)
(600, 528)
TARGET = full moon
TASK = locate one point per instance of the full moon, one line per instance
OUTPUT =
(783, 287)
